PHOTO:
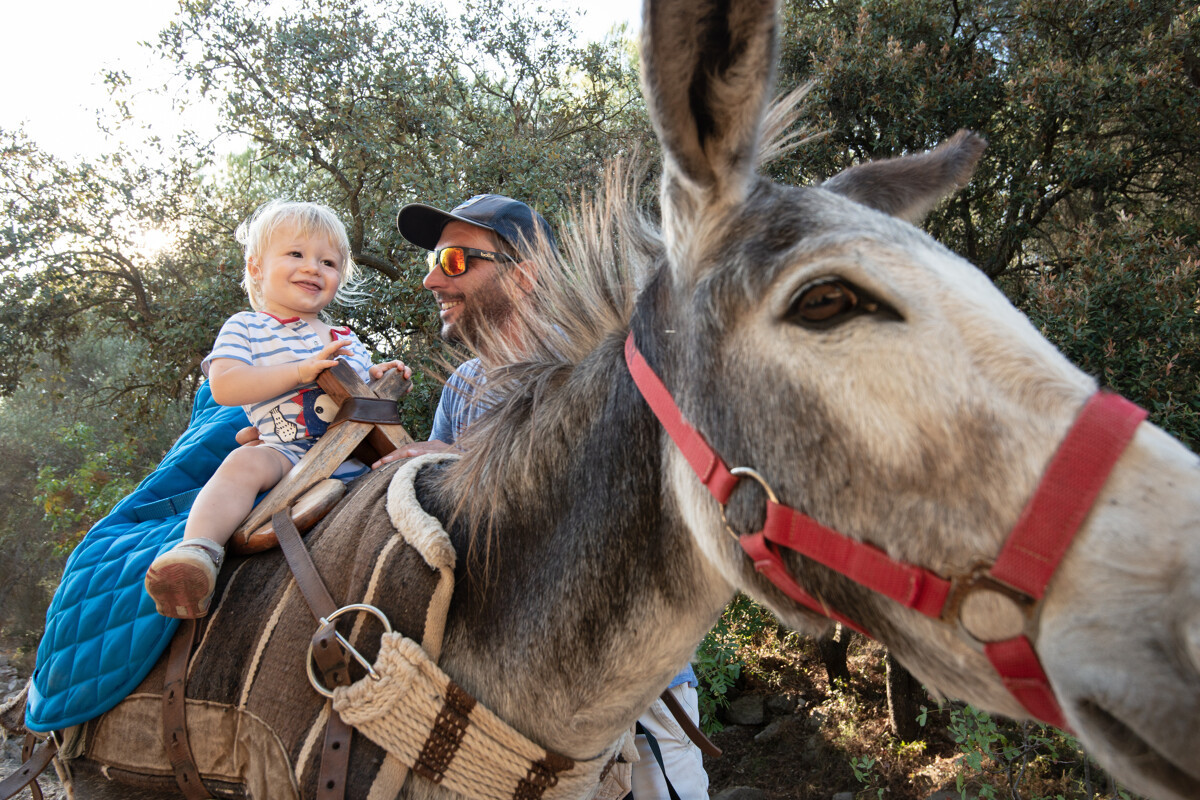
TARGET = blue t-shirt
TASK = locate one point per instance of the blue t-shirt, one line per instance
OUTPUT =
(458, 408)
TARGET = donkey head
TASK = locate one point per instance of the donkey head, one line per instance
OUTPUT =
(886, 388)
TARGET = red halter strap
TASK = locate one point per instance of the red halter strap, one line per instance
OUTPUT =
(1026, 563)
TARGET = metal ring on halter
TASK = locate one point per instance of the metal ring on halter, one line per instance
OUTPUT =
(308, 659)
(747, 472)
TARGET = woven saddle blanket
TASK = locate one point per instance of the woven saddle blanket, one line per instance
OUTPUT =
(102, 633)
(256, 724)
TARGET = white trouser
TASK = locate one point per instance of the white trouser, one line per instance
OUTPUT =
(683, 760)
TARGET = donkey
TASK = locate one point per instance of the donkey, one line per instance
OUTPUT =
(869, 377)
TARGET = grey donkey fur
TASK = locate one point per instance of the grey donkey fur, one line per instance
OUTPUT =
(918, 419)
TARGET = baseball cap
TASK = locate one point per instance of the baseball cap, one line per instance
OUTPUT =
(511, 220)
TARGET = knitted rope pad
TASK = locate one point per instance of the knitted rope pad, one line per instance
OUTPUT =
(421, 717)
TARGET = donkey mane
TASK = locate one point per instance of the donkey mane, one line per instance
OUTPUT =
(575, 319)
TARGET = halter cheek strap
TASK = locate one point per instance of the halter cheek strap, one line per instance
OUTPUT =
(1022, 570)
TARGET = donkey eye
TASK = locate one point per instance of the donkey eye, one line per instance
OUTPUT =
(823, 301)
(829, 301)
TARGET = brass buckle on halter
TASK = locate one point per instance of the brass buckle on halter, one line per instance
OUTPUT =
(987, 609)
(308, 658)
(747, 472)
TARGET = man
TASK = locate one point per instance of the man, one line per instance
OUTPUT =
(472, 247)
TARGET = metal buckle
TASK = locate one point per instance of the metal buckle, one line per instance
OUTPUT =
(1003, 626)
(308, 658)
(747, 472)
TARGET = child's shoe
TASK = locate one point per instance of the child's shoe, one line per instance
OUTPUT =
(182, 580)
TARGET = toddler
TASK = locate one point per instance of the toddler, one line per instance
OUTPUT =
(266, 360)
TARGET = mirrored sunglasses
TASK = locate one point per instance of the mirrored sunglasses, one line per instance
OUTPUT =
(453, 260)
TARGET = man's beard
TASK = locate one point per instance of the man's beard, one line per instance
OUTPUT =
(483, 316)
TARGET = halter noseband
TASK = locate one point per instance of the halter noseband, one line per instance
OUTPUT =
(1018, 576)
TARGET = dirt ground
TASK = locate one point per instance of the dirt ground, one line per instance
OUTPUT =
(807, 753)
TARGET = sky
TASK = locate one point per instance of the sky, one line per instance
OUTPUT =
(55, 50)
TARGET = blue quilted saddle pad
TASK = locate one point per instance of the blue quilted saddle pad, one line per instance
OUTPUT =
(102, 632)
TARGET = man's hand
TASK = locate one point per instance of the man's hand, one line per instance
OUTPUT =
(248, 437)
(411, 450)
(377, 370)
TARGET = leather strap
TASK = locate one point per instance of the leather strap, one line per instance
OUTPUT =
(685, 722)
(174, 714)
(374, 410)
(35, 764)
(335, 759)
(320, 602)
(330, 658)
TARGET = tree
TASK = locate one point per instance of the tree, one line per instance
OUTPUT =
(375, 106)
(362, 106)
(359, 105)
(76, 266)
(1088, 106)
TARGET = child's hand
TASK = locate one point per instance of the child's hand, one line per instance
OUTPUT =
(311, 367)
(377, 370)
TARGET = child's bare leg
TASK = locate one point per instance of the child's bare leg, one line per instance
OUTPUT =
(181, 581)
(229, 494)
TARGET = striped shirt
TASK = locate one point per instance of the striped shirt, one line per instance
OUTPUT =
(457, 407)
(300, 415)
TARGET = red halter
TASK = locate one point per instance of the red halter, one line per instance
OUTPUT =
(1026, 562)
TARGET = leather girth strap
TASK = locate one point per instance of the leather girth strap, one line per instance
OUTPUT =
(328, 654)
(174, 714)
(685, 722)
(36, 761)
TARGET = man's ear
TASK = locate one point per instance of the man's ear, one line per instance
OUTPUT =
(524, 275)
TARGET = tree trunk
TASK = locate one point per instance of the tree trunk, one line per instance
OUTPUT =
(904, 696)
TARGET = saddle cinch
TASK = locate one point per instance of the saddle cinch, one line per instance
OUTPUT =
(366, 426)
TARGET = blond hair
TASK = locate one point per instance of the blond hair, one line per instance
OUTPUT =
(308, 219)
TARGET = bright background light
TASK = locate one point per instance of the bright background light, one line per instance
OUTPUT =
(54, 51)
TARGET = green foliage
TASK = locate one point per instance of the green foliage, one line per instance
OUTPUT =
(359, 106)
(1088, 107)
(76, 500)
(863, 768)
(1006, 759)
(1121, 302)
(719, 659)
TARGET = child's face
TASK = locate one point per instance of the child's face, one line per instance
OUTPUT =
(299, 274)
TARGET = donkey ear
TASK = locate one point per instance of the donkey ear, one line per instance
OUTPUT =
(707, 69)
(910, 186)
